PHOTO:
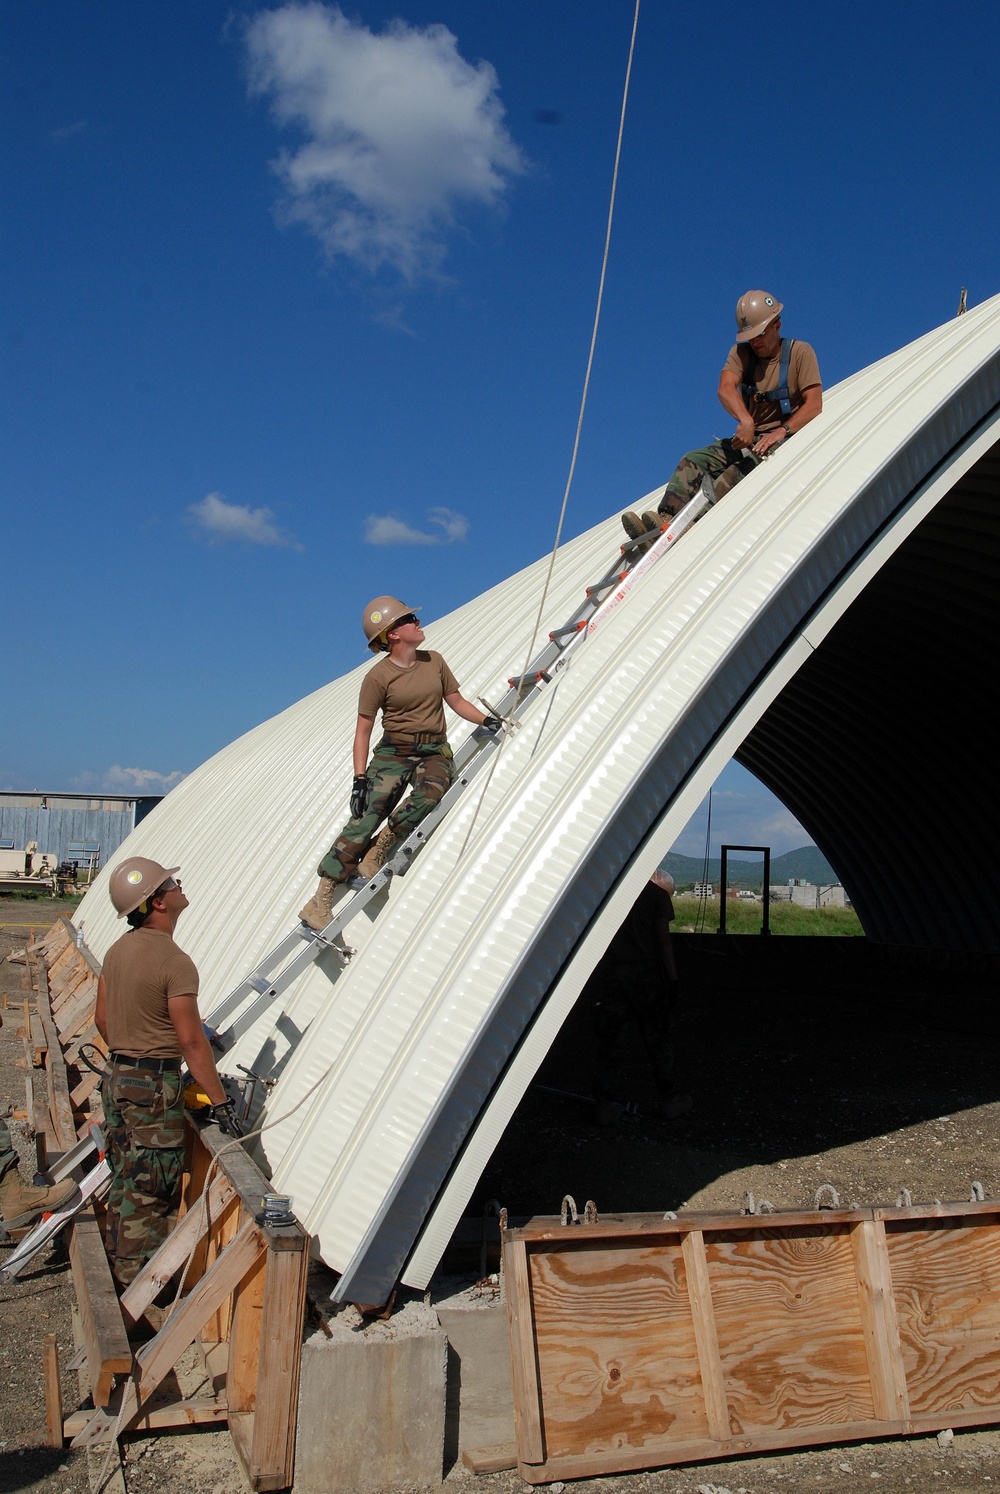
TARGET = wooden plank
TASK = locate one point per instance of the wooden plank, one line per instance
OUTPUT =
(523, 1362)
(946, 1277)
(53, 1390)
(706, 1335)
(176, 1248)
(71, 1050)
(495, 1459)
(273, 1447)
(246, 1338)
(199, 1411)
(547, 1227)
(878, 1321)
(81, 1093)
(598, 1464)
(60, 1109)
(78, 1013)
(226, 1228)
(101, 1324)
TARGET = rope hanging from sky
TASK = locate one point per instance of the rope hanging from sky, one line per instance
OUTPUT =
(583, 406)
(593, 344)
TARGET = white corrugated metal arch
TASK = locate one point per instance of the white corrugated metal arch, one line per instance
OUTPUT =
(827, 624)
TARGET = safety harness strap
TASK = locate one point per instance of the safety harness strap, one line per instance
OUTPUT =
(779, 395)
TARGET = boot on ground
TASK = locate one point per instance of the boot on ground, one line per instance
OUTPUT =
(21, 1203)
(319, 909)
(378, 853)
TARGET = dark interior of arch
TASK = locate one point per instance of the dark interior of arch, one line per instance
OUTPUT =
(884, 743)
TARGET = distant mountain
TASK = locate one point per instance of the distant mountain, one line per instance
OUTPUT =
(808, 864)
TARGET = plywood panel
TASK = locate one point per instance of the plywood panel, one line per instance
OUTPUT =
(946, 1284)
(617, 1355)
(789, 1328)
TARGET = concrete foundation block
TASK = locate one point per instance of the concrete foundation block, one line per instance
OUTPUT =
(372, 1405)
(480, 1395)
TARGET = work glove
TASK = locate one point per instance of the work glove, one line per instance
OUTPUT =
(224, 1116)
(492, 723)
(359, 795)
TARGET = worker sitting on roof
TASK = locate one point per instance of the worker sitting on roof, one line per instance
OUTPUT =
(770, 385)
(409, 687)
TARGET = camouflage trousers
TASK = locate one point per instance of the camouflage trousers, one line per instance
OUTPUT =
(8, 1156)
(723, 462)
(427, 767)
(144, 1127)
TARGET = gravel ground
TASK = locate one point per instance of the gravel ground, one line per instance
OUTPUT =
(808, 1061)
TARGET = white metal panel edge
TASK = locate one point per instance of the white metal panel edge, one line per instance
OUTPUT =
(524, 1063)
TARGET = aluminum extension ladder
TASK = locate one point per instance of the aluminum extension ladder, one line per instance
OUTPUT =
(288, 959)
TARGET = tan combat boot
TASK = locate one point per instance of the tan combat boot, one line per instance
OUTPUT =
(21, 1204)
(378, 854)
(319, 910)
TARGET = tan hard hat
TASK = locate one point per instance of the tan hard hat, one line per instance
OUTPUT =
(754, 312)
(378, 618)
(134, 880)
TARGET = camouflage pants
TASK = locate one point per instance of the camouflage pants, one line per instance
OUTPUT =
(8, 1156)
(724, 463)
(144, 1120)
(428, 768)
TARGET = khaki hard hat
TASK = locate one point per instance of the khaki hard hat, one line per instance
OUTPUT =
(754, 312)
(136, 879)
(378, 618)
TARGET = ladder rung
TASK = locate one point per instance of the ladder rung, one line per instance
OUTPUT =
(258, 983)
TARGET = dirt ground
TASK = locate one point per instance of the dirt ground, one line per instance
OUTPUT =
(809, 1061)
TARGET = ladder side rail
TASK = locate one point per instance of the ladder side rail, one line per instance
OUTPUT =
(601, 599)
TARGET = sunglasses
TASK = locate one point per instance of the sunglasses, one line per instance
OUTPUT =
(410, 617)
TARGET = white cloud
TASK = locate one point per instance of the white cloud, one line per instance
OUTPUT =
(221, 521)
(66, 132)
(117, 780)
(386, 529)
(399, 132)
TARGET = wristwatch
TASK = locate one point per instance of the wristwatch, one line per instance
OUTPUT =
(786, 431)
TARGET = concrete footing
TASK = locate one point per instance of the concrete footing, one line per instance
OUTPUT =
(386, 1407)
(372, 1405)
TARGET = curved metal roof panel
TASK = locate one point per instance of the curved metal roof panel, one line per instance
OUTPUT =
(414, 1055)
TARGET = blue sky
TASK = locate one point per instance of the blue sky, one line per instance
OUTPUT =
(270, 348)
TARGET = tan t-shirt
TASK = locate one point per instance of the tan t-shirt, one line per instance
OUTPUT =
(803, 372)
(411, 700)
(142, 971)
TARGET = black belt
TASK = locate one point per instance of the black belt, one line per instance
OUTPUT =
(155, 1065)
(422, 739)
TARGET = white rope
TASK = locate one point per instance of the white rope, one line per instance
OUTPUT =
(579, 421)
(593, 343)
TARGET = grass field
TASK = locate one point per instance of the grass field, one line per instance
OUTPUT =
(744, 917)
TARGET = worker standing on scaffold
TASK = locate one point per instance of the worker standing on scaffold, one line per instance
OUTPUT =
(147, 1013)
(410, 687)
(770, 385)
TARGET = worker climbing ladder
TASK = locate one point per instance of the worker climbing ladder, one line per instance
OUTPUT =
(288, 959)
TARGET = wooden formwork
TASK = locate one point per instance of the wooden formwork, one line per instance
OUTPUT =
(244, 1286)
(641, 1341)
